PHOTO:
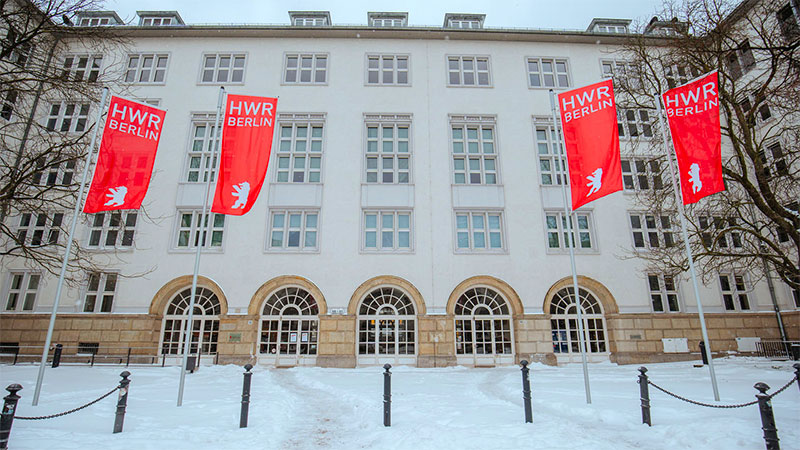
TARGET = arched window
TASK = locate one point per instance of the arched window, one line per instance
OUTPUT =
(564, 322)
(289, 323)
(205, 326)
(483, 323)
(386, 323)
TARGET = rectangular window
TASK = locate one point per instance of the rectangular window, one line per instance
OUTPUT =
(68, 117)
(204, 143)
(54, 173)
(464, 23)
(112, 230)
(663, 293)
(778, 158)
(37, 229)
(558, 237)
(793, 208)
(22, 290)
(639, 174)
(293, 230)
(388, 22)
(81, 67)
(479, 231)
(722, 233)
(156, 21)
(548, 72)
(468, 71)
(549, 146)
(388, 152)
(223, 68)
(735, 292)
(474, 153)
(100, 291)
(94, 21)
(310, 21)
(633, 123)
(190, 230)
(624, 73)
(787, 19)
(677, 75)
(306, 69)
(652, 231)
(146, 68)
(387, 69)
(9, 100)
(387, 230)
(300, 148)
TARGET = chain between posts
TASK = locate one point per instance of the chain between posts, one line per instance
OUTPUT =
(70, 411)
(740, 405)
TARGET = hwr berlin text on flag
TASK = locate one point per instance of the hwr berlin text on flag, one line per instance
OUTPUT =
(126, 157)
(589, 121)
(693, 115)
(246, 144)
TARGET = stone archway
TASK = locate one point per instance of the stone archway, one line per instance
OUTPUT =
(172, 288)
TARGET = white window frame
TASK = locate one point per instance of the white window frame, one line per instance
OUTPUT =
(624, 73)
(640, 171)
(136, 72)
(200, 150)
(76, 121)
(730, 241)
(101, 230)
(486, 231)
(194, 232)
(8, 104)
(309, 21)
(314, 70)
(677, 75)
(61, 174)
(475, 72)
(22, 291)
(156, 21)
(44, 226)
(100, 292)
(652, 229)
(82, 67)
(380, 228)
(303, 230)
(541, 75)
(387, 22)
(464, 24)
(231, 69)
(288, 156)
(668, 287)
(95, 21)
(375, 169)
(380, 71)
(560, 232)
(739, 285)
(462, 162)
(629, 119)
(549, 167)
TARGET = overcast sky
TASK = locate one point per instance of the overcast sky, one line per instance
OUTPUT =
(563, 14)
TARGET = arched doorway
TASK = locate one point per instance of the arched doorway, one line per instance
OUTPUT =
(289, 328)
(564, 326)
(205, 325)
(483, 328)
(386, 328)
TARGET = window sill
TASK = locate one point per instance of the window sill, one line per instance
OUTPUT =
(194, 249)
(547, 88)
(386, 252)
(499, 252)
(470, 86)
(386, 85)
(283, 251)
(284, 83)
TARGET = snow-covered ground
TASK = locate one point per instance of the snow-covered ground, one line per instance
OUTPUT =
(451, 408)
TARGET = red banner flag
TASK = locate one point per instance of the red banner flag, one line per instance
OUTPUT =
(127, 154)
(246, 144)
(693, 115)
(589, 121)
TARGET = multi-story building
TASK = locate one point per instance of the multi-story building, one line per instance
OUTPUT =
(412, 211)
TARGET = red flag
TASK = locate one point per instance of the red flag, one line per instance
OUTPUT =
(246, 144)
(127, 153)
(589, 121)
(693, 115)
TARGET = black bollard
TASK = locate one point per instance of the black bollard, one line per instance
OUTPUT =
(644, 394)
(245, 396)
(7, 416)
(387, 396)
(797, 373)
(703, 353)
(767, 418)
(526, 392)
(122, 401)
(57, 355)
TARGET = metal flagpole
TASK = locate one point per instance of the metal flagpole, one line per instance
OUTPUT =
(67, 251)
(571, 246)
(681, 214)
(201, 240)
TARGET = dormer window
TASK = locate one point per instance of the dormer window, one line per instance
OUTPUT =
(156, 21)
(98, 19)
(385, 19)
(464, 21)
(310, 18)
(611, 29)
(159, 18)
(666, 28)
(611, 26)
(94, 21)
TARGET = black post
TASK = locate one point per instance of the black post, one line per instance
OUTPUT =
(92, 361)
(767, 418)
(387, 396)
(122, 402)
(797, 373)
(57, 355)
(703, 353)
(644, 394)
(163, 358)
(245, 396)
(128, 361)
(9, 409)
(526, 392)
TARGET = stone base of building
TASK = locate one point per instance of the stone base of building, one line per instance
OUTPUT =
(336, 361)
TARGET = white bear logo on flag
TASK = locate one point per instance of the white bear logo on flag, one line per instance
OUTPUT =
(595, 181)
(240, 191)
(694, 178)
(116, 195)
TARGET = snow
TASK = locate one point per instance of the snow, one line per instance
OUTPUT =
(444, 408)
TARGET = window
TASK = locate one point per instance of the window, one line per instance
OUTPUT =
(81, 67)
(548, 145)
(624, 73)
(22, 290)
(189, 230)
(564, 322)
(483, 323)
(793, 209)
(386, 323)
(94, 21)
(20, 51)
(677, 75)
(652, 231)
(306, 69)
(156, 21)
(300, 148)
(9, 100)
(204, 144)
(223, 68)
(547, 72)
(388, 154)
(100, 292)
(640, 174)
(36, 229)
(478, 231)
(309, 22)
(735, 291)
(617, 29)
(68, 117)
(474, 153)
(289, 323)
(464, 24)
(634, 123)
(720, 233)
(558, 237)
(795, 293)
(205, 326)
(663, 293)
(388, 22)
(776, 154)
(146, 68)
(88, 348)
(56, 173)
(787, 19)
(387, 69)
(114, 229)
(293, 230)
(468, 70)
(740, 61)
(387, 230)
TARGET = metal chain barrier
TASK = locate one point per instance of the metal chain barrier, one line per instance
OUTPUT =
(70, 411)
(741, 405)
